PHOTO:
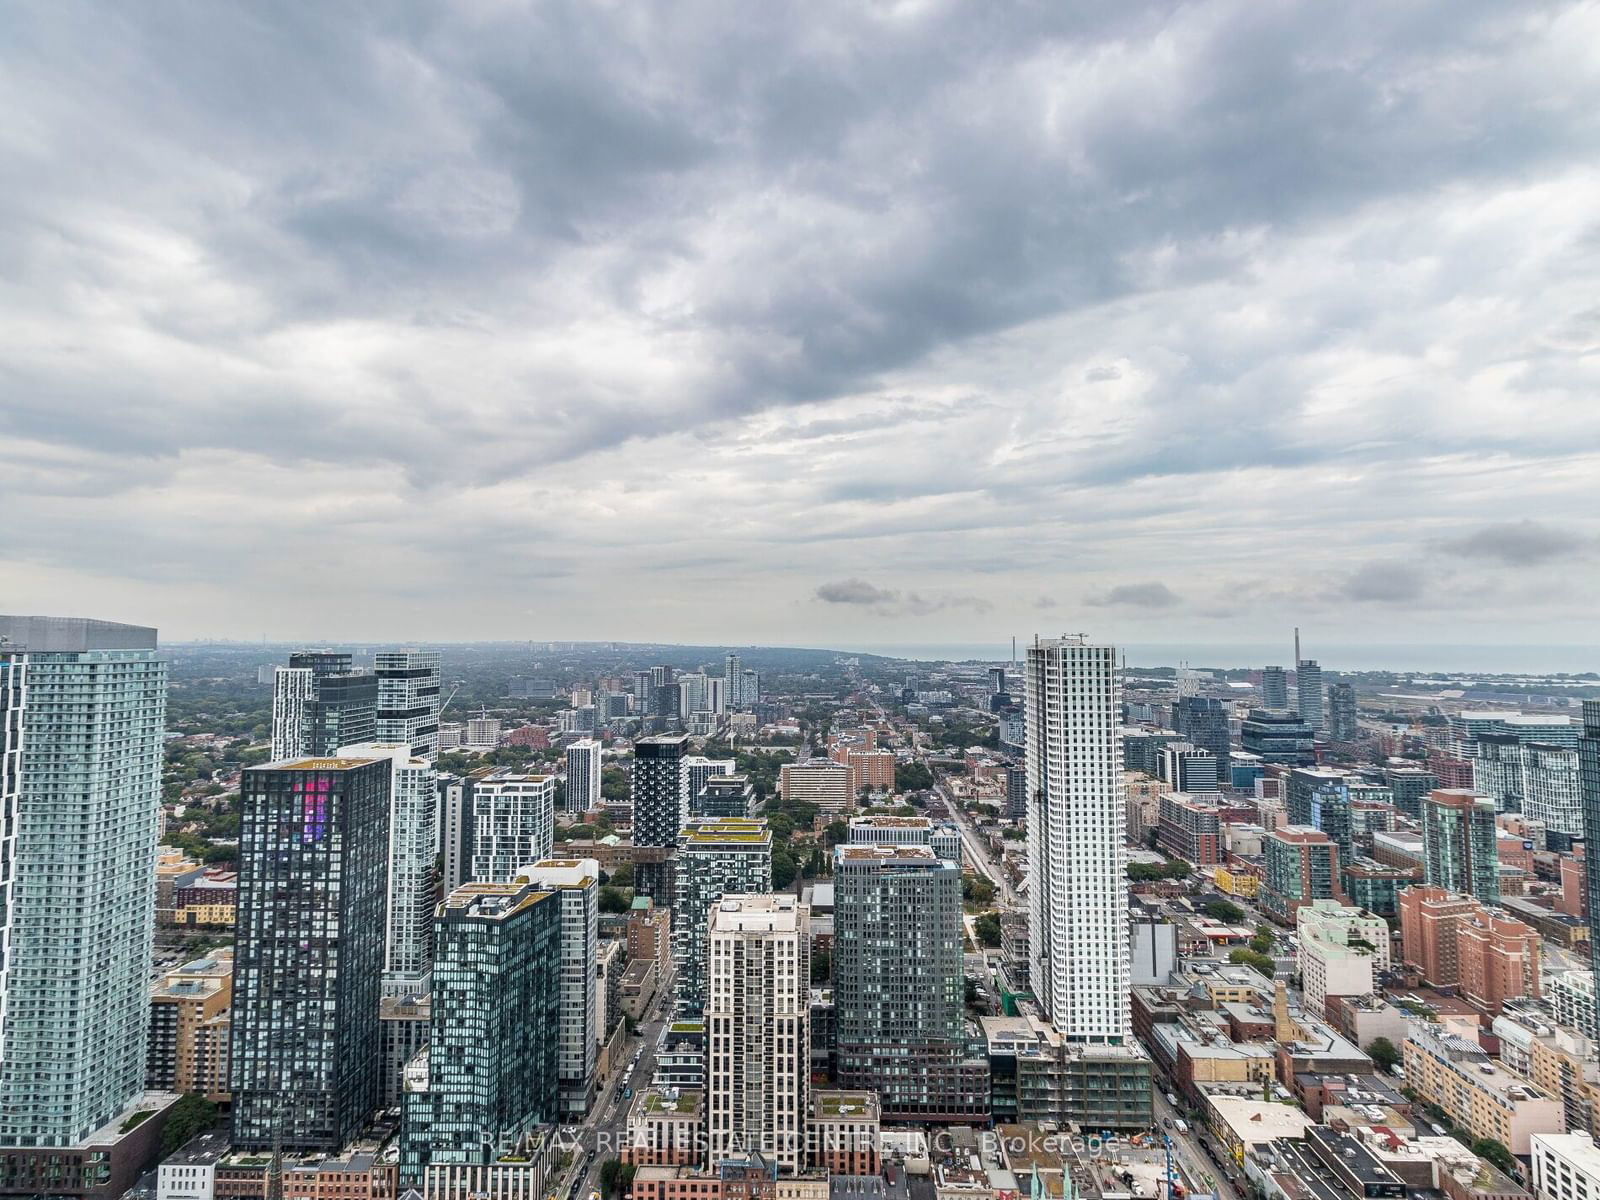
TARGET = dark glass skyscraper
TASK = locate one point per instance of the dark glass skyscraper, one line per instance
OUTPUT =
(1342, 723)
(1589, 777)
(897, 982)
(1203, 722)
(492, 1072)
(319, 703)
(306, 1061)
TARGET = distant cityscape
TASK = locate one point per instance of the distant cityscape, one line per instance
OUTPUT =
(571, 920)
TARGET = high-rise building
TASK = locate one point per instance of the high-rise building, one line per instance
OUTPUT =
(726, 796)
(716, 858)
(306, 1058)
(576, 884)
(1016, 794)
(691, 693)
(513, 823)
(1320, 798)
(758, 1028)
(583, 775)
(750, 688)
(1301, 865)
(660, 805)
(698, 770)
(1308, 692)
(644, 699)
(1460, 843)
(1188, 769)
(1078, 891)
(320, 702)
(1276, 736)
(1274, 688)
(897, 983)
(1589, 784)
(82, 709)
(997, 680)
(408, 699)
(190, 1014)
(413, 838)
(1410, 786)
(1497, 769)
(1551, 788)
(1343, 725)
(1203, 722)
(733, 683)
(491, 1072)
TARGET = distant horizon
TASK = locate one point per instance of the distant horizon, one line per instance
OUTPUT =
(1525, 658)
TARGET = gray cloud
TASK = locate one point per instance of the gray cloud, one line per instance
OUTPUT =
(1134, 595)
(854, 591)
(1522, 543)
(1387, 582)
(789, 294)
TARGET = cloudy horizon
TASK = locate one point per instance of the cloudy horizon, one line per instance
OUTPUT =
(854, 324)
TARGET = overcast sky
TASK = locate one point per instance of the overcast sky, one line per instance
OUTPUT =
(813, 323)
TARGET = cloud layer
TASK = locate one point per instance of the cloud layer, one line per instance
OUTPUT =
(645, 319)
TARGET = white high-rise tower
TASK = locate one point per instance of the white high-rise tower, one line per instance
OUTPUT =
(1078, 888)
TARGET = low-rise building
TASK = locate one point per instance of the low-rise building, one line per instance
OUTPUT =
(843, 1132)
(1483, 1098)
(664, 1128)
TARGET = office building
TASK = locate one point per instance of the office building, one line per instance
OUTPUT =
(1308, 692)
(1203, 723)
(1301, 866)
(513, 823)
(313, 866)
(1460, 843)
(576, 885)
(660, 806)
(190, 1016)
(412, 825)
(1078, 891)
(408, 699)
(1275, 688)
(758, 1029)
(1409, 786)
(490, 1075)
(1141, 748)
(1343, 725)
(84, 707)
(716, 857)
(897, 983)
(699, 770)
(1183, 768)
(726, 796)
(1277, 736)
(584, 765)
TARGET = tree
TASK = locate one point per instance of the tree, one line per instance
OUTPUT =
(969, 992)
(987, 928)
(912, 777)
(1495, 1152)
(977, 891)
(821, 966)
(784, 869)
(1261, 941)
(622, 877)
(192, 1115)
(1382, 1051)
(612, 900)
(614, 784)
(835, 833)
(616, 1177)
(1222, 910)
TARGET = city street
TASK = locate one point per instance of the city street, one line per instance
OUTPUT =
(977, 852)
(1199, 1171)
(603, 1132)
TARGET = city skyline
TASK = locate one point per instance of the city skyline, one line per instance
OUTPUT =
(1217, 314)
